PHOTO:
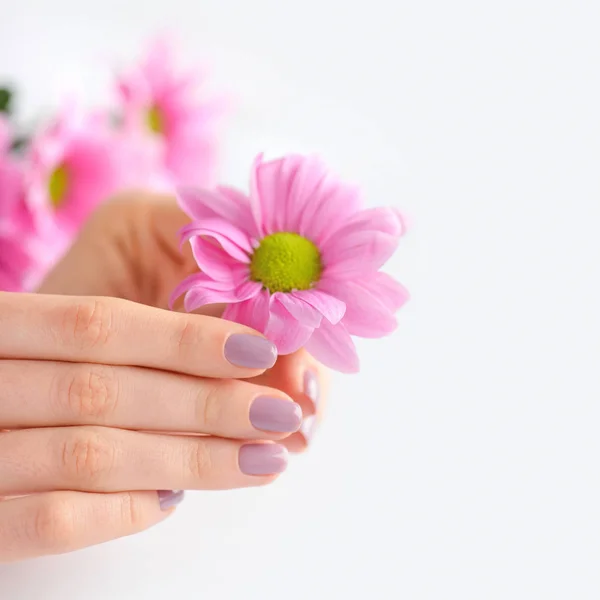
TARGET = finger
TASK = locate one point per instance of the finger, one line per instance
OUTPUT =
(301, 377)
(306, 381)
(47, 393)
(59, 522)
(101, 459)
(119, 332)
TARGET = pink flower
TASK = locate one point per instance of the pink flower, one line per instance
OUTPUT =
(17, 260)
(72, 166)
(163, 104)
(297, 259)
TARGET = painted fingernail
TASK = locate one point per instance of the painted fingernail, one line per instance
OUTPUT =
(250, 351)
(275, 414)
(263, 459)
(311, 387)
(308, 428)
(170, 498)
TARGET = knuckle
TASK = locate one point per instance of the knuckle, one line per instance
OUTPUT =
(131, 511)
(87, 324)
(188, 339)
(89, 393)
(53, 527)
(87, 456)
(199, 461)
(210, 409)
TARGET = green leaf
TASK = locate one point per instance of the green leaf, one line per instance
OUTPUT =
(5, 100)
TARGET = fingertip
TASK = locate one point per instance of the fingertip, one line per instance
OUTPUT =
(250, 351)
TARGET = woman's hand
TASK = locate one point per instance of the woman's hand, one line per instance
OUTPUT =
(110, 401)
(87, 386)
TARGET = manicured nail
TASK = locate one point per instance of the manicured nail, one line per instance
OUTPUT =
(250, 351)
(308, 428)
(263, 459)
(170, 498)
(311, 387)
(275, 414)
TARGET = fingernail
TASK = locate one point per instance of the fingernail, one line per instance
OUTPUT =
(250, 351)
(311, 387)
(170, 498)
(263, 459)
(308, 428)
(275, 414)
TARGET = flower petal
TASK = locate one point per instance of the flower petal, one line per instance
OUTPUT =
(200, 204)
(197, 279)
(303, 312)
(197, 297)
(253, 313)
(367, 315)
(333, 204)
(383, 219)
(391, 292)
(255, 202)
(269, 190)
(231, 239)
(307, 174)
(333, 346)
(327, 305)
(358, 254)
(285, 331)
(215, 262)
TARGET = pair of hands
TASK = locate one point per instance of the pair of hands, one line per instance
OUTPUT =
(112, 404)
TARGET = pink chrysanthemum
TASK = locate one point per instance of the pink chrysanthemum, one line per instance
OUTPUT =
(70, 167)
(297, 259)
(158, 101)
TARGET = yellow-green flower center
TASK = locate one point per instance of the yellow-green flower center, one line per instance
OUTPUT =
(286, 261)
(58, 185)
(154, 120)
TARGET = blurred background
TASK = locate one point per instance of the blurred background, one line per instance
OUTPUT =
(462, 462)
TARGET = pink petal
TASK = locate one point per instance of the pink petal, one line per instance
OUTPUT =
(201, 204)
(216, 263)
(285, 331)
(358, 254)
(333, 346)
(199, 296)
(243, 203)
(255, 202)
(366, 314)
(333, 204)
(269, 191)
(385, 220)
(253, 313)
(307, 175)
(329, 306)
(391, 293)
(231, 239)
(198, 280)
(303, 312)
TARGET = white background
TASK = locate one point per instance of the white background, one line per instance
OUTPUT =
(462, 463)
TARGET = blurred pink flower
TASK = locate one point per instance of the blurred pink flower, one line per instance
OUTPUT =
(297, 259)
(71, 167)
(68, 169)
(17, 260)
(164, 104)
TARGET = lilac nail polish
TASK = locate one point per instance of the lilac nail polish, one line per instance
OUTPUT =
(250, 351)
(311, 387)
(275, 414)
(170, 498)
(262, 459)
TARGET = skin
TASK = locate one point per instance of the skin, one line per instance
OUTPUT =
(108, 397)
